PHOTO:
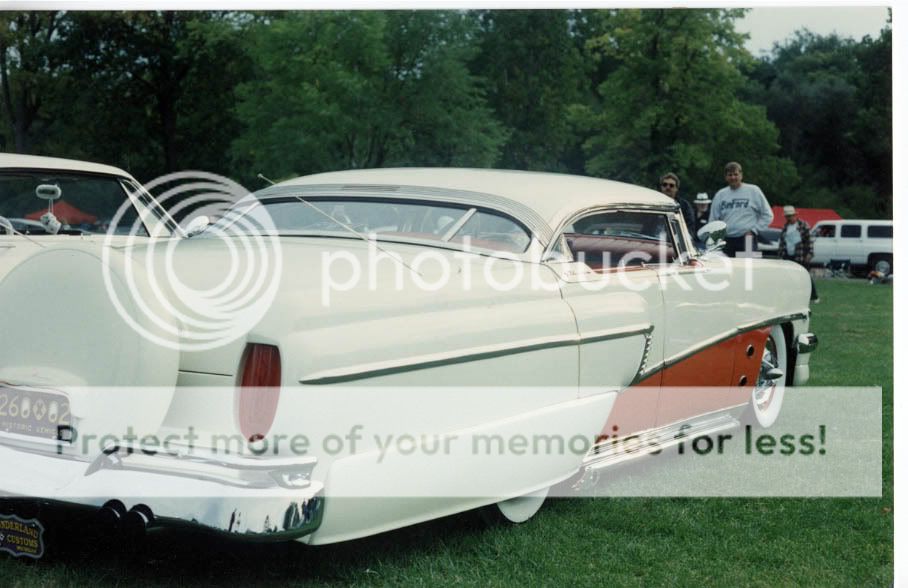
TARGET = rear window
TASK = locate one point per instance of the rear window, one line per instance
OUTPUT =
(83, 203)
(387, 219)
(851, 231)
(879, 231)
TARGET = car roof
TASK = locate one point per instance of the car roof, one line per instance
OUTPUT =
(551, 197)
(18, 161)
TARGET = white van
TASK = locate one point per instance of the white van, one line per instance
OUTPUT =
(863, 244)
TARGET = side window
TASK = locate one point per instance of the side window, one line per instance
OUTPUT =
(494, 231)
(851, 231)
(620, 239)
(879, 231)
(824, 231)
(680, 243)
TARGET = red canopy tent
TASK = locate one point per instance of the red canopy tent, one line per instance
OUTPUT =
(66, 213)
(811, 216)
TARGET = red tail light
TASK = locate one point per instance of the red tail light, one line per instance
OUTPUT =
(260, 390)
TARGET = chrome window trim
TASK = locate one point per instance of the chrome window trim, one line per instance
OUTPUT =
(522, 257)
(690, 251)
(458, 225)
(142, 199)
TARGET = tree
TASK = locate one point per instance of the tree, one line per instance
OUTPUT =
(363, 89)
(28, 64)
(831, 98)
(535, 71)
(873, 122)
(153, 91)
(673, 103)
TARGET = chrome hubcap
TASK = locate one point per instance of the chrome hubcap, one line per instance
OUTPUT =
(766, 383)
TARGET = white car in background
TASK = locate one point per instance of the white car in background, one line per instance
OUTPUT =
(864, 244)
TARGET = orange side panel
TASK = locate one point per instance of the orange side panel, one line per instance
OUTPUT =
(697, 385)
(634, 409)
(747, 361)
(706, 382)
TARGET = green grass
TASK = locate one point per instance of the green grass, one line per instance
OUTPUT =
(621, 542)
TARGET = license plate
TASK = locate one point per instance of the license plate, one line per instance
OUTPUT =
(34, 413)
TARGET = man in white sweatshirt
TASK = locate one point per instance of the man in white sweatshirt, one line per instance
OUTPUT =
(744, 209)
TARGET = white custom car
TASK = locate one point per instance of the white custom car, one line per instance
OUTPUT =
(400, 304)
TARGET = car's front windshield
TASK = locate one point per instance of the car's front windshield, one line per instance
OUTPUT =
(386, 219)
(82, 203)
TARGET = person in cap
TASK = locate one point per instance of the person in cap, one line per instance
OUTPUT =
(796, 244)
(701, 214)
(670, 185)
(743, 208)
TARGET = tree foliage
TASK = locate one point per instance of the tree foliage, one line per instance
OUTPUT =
(831, 99)
(673, 102)
(29, 64)
(363, 89)
(165, 78)
(625, 94)
(533, 80)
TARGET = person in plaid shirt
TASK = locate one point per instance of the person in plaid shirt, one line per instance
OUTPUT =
(796, 244)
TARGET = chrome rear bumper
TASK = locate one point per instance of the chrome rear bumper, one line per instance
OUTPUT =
(256, 498)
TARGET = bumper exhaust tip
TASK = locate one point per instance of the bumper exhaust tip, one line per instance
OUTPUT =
(137, 521)
(110, 515)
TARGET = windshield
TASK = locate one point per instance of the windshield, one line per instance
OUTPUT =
(83, 204)
(386, 219)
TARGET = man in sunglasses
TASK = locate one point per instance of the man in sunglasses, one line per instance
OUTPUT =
(669, 184)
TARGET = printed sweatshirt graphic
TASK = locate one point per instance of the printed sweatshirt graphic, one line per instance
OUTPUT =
(745, 209)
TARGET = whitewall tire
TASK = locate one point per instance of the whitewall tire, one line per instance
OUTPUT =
(769, 393)
(515, 510)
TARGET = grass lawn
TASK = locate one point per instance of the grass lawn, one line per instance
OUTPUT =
(615, 541)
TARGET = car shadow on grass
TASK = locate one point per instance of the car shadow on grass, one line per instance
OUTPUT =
(78, 550)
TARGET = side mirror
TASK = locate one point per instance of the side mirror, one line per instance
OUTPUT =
(197, 225)
(713, 235)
